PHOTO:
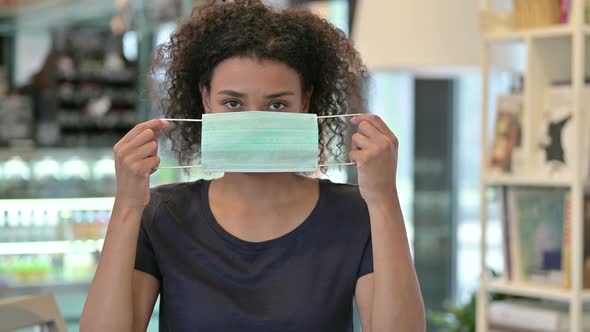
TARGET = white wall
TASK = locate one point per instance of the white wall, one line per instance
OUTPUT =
(31, 48)
(400, 34)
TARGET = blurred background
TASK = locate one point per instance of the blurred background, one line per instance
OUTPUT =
(75, 76)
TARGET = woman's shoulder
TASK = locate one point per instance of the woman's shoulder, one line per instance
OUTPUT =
(345, 200)
(343, 194)
(171, 191)
(177, 194)
(177, 197)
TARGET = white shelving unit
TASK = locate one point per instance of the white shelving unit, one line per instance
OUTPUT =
(550, 53)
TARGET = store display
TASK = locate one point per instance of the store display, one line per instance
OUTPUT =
(22, 225)
(57, 174)
(91, 98)
(16, 127)
(74, 259)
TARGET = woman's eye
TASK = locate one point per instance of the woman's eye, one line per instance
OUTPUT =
(277, 106)
(232, 104)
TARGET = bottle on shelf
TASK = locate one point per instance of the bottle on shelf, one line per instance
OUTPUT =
(65, 225)
(52, 225)
(4, 230)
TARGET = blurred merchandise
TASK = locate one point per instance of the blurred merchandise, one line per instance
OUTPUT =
(96, 87)
(16, 177)
(3, 83)
(164, 10)
(49, 243)
(16, 113)
(58, 174)
(536, 13)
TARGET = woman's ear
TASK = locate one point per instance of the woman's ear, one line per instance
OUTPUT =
(205, 97)
(306, 102)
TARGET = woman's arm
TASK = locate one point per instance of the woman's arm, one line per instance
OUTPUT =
(120, 299)
(110, 305)
(392, 291)
(389, 299)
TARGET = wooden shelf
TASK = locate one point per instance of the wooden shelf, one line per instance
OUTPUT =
(544, 32)
(529, 181)
(93, 203)
(505, 36)
(50, 286)
(50, 247)
(541, 56)
(23, 8)
(532, 290)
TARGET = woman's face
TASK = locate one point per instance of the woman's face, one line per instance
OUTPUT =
(248, 84)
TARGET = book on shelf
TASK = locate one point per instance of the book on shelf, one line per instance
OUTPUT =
(586, 255)
(505, 227)
(537, 223)
(554, 148)
(531, 316)
(565, 11)
(506, 154)
(536, 233)
(566, 254)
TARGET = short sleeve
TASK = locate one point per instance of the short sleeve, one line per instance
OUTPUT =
(366, 265)
(145, 258)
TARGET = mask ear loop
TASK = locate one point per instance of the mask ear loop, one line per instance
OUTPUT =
(338, 116)
(200, 120)
(180, 167)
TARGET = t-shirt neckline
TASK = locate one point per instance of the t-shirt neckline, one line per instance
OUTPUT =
(257, 246)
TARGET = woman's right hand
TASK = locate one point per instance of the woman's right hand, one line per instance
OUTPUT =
(136, 157)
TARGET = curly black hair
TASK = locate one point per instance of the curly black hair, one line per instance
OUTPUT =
(322, 55)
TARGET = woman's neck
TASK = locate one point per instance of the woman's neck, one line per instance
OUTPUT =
(262, 189)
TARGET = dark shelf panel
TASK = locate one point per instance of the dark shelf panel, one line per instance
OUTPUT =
(75, 121)
(107, 77)
(118, 98)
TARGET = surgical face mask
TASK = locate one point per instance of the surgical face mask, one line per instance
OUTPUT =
(259, 142)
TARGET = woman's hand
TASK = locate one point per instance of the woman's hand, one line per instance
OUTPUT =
(374, 149)
(135, 160)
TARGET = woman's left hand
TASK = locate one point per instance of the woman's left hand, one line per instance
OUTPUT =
(374, 149)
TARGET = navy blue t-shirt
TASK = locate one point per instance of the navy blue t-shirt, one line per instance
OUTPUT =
(213, 281)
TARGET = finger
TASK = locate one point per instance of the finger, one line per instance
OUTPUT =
(368, 129)
(145, 151)
(376, 121)
(361, 141)
(153, 163)
(148, 135)
(155, 124)
(357, 156)
(146, 166)
(353, 146)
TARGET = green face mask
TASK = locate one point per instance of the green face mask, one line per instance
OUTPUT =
(259, 142)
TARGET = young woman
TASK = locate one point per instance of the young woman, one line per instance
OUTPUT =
(257, 251)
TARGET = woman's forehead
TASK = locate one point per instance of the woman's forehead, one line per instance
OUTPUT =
(245, 74)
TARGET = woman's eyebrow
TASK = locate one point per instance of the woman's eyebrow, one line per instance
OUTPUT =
(232, 93)
(278, 95)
